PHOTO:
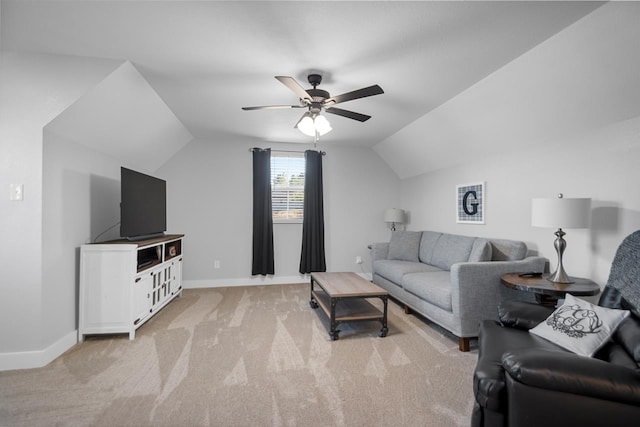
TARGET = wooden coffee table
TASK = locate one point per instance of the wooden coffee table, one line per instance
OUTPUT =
(343, 298)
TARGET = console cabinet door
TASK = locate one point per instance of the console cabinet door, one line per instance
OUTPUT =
(176, 283)
(142, 288)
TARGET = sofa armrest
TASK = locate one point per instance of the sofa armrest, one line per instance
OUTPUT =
(522, 315)
(569, 373)
(476, 289)
(379, 250)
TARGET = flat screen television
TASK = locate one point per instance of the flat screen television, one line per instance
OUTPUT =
(143, 205)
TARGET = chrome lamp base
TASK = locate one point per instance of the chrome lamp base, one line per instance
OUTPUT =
(559, 276)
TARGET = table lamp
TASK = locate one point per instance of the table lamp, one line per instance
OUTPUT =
(560, 213)
(394, 216)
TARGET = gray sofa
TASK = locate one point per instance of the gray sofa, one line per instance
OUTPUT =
(451, 280)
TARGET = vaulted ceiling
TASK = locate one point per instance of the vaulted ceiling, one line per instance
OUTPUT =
(207, 59)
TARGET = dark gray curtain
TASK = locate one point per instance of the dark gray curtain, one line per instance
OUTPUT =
(312, 257)
(262, 262)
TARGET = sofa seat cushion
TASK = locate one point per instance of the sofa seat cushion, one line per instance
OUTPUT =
(451, 249)
(394, 270)
(433, 287)
(616, 354)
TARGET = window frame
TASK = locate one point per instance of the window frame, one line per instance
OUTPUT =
(290, 172)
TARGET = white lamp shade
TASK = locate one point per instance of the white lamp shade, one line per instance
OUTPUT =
(394, 215)
(560, 213)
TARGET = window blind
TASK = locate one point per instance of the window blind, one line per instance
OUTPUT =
(287, 186)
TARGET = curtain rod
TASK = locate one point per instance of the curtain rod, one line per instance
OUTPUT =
(284, 151)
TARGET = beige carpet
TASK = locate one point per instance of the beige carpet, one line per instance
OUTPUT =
(250, 356)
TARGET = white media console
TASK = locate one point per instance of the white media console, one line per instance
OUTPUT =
(124, 283)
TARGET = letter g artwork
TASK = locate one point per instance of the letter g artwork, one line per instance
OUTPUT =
(470, 203)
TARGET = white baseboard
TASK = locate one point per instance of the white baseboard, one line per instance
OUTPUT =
(250, 281)
(253, 281)
(37, 358)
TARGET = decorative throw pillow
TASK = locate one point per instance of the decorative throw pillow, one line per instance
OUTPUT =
(481, 251)
(580, 326)
(404, 245)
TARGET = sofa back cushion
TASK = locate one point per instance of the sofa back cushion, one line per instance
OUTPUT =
(481, 251)
(508, 250)
(451, 249)
(427, 243)
(404, 245)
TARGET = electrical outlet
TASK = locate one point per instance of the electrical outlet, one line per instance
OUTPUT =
(16, 192)
(358, 260)
(216, 263)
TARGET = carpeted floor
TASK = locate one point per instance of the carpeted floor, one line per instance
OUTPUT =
(250, 356)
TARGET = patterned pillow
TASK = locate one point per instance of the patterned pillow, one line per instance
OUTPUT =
(579, 326)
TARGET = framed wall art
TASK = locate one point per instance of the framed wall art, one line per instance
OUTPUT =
(470, 207)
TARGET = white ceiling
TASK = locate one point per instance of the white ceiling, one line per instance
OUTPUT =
(207, 59)
(566, 89)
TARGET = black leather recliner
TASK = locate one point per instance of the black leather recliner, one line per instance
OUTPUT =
(524, 380)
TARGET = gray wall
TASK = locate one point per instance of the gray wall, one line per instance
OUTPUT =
(81, 197)
(567, 111)
(601, 164)
(71, 191)
(209, 192)
(29, 99)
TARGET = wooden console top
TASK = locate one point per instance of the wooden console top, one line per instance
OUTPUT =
(146, 242)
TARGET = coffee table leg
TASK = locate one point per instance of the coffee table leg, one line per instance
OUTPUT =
(384, 330)
(333, 333)
(312, 301)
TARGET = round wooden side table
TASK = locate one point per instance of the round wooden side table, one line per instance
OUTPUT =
(547, 293)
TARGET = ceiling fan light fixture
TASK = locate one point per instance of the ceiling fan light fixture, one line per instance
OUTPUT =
(318, 100)
(305, 125)
(322, 125)
(308, 125)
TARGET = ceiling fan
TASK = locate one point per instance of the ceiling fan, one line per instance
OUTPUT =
(318, 100)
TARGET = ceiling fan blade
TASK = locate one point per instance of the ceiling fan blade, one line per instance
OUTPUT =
(273, 107)
(356, 94)
(348, 114)
(292, 84)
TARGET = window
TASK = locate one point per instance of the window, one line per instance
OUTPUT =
(287, 187)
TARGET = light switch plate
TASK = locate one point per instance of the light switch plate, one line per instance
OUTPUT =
(16, 192)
